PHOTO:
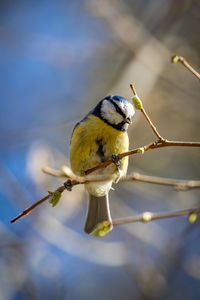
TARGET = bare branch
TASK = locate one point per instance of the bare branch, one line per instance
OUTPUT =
(30, 208)
(133, 89)
(176, 58)
(146, 115)
(176, 183)
(53, 172)
(154, 145)
(151, 124)
(150, 216)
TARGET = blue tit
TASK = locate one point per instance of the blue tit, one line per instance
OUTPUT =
(102, 133)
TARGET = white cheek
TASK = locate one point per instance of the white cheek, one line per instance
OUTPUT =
(109, 113)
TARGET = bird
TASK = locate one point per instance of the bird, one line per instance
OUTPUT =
(101, 135)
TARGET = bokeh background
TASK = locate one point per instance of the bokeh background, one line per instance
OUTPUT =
(57, 60)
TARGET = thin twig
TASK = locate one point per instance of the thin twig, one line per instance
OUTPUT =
(133, 89)
(150, 216)
(176, 183)
(53, 172)
(30, 208)
(147, 117)
(151, 124)
(176, 58)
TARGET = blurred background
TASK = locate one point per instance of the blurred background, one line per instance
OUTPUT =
(57, 60)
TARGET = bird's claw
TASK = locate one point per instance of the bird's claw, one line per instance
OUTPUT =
(116, 160)
(68, 185)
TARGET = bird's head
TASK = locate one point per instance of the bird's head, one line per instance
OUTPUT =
(116, 111)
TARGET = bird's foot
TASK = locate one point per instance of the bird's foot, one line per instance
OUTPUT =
(116, 161)
(69, 185)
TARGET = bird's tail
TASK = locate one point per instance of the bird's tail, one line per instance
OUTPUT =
(98, 211)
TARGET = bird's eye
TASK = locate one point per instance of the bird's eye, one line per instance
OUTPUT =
(128, 120)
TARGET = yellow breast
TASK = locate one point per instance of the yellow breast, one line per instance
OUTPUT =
(94, 141)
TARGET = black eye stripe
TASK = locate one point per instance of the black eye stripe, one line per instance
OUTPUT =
(118, 109)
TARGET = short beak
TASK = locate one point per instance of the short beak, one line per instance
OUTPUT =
(128, 120)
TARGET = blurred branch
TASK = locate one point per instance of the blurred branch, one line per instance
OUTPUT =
(176, 58)
(150, 216)
(53, 172)
(176, 183)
